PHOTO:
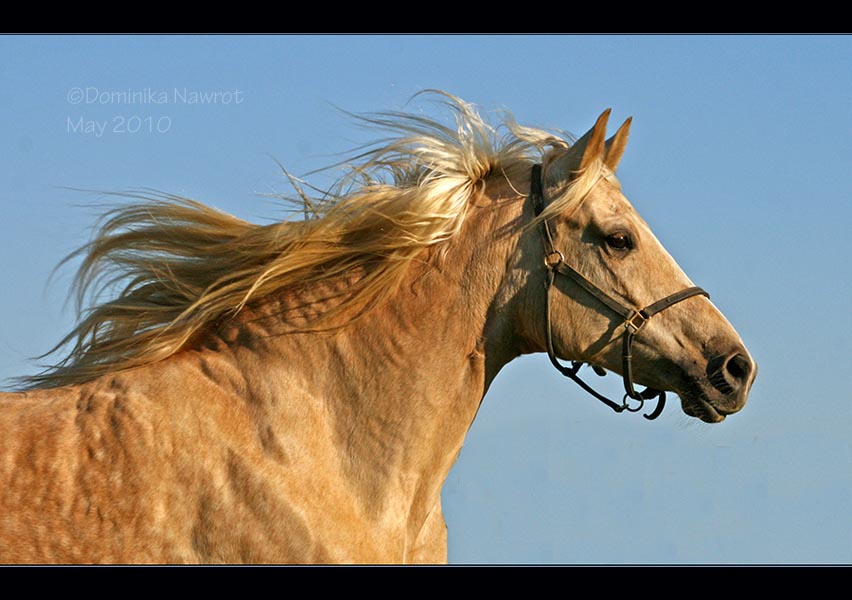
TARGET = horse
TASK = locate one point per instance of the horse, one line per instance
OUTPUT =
(297, 392)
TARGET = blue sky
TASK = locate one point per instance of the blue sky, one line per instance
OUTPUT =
(740, 159)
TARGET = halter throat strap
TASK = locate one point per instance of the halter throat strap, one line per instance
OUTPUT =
(634, 319)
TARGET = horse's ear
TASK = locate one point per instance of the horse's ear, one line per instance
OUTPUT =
(581, 154)
(616, 144)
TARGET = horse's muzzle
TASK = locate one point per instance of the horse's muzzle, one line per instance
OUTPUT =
(729, 378)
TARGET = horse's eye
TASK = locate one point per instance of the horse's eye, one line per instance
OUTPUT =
(619, 240)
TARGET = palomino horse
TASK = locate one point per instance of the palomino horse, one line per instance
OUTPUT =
(298, 392)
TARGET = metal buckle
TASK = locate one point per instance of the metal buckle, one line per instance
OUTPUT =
(631, 323)
(553, 259)
(625, 405)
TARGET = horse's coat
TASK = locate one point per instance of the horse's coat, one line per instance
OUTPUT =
(299, 392)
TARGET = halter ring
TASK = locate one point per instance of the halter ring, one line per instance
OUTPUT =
(553, 259)
(626, 405)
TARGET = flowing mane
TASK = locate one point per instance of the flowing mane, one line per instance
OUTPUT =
(173, 265)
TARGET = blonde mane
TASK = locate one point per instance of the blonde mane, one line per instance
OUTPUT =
(174, 265)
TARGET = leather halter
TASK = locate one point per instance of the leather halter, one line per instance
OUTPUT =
(634, 320)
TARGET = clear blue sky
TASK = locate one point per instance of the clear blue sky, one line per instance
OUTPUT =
(740, 159)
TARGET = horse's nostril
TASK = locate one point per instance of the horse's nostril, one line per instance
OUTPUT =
(730, 374)
(738, 367)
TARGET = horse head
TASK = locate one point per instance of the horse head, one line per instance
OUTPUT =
(606, 275)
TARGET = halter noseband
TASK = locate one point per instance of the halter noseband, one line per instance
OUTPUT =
(634, 320)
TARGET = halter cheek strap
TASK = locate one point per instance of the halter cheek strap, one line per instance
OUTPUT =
(634, 320)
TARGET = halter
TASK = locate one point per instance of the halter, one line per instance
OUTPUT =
(634, 320)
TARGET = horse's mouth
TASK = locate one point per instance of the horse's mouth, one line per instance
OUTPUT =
(696, 405)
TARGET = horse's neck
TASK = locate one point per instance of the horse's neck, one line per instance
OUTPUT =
(399, 387)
